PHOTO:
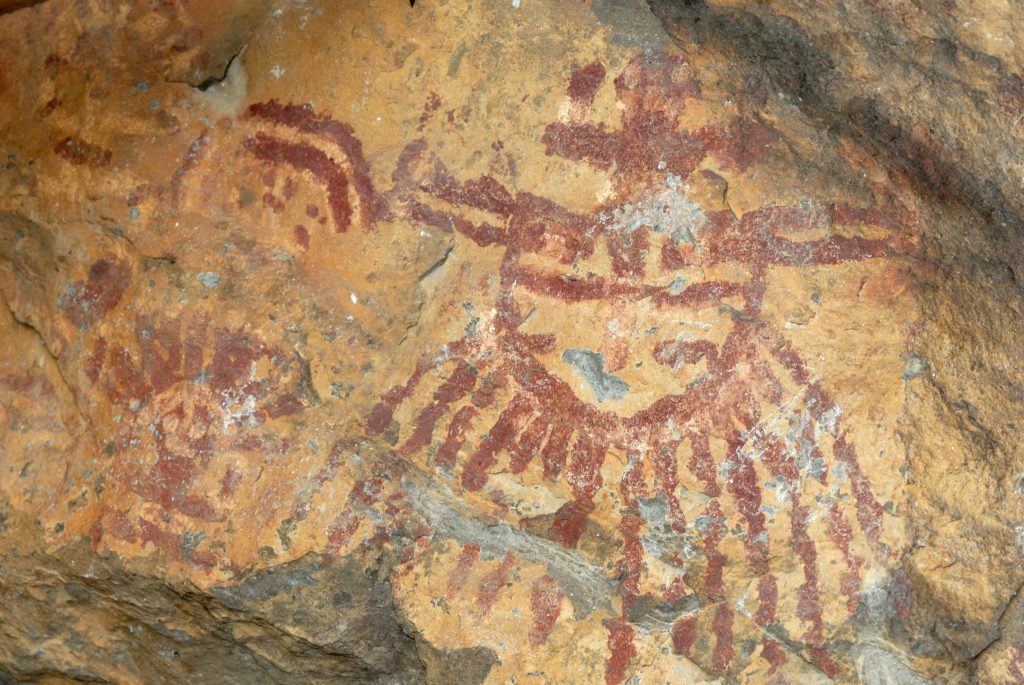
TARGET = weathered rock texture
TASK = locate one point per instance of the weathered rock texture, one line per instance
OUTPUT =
(518, 342)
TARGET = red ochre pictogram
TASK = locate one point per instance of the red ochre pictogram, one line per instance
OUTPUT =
(651, 248)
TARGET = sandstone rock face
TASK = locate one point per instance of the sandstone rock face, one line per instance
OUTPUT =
(520, 342)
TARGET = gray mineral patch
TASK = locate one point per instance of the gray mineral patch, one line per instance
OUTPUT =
(876, 665)
(631, 23)
(585, 584)
(667, 211)
(591, 367)
(916, 367)
(209, 279)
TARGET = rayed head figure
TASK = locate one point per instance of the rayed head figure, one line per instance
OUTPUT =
(634, 332)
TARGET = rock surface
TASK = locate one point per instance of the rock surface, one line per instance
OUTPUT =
(519, 342)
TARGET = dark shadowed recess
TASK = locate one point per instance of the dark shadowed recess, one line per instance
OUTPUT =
(781, 50)
(8, 6)
(313, 620)
(976, 220)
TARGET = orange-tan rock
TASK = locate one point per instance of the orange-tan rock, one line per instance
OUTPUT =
(504, 343)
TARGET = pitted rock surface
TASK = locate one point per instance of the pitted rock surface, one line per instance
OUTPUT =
(610, 342)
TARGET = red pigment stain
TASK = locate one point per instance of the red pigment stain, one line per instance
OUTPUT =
(632, 551)
(53, 62)
(628, 254)
(290, 188)
(87, 302)
(667, 478)
(458, 385)
(342, 529)
(776, 458)
(81, 153)
(869, 511)
(716, 560)
(190, 160)
(342, 135)
(161, 350)
(1016, 663)
(303, 157)
(745, 489)
(168, 482)
(116, 524)
(429, 108)
(902, 597)
(285, 405)
(632, 485)
(474, 473)
(95, 363)
(676, 353)
(684, 634)
(702, 464)
(233, 356)
(53, 104)
(652, 99)
(367, 491)
(584, 472)
(23, 383)
(229, 483)
(528, 445)
(249, 443)
(621, 647)
(585, 81)
(555, 451)
(1010, 95)
(455, 437)
(171, 544)
(467, 558)
(722, 627)
(767, 600)
(808, 598)
(773, 654)
(545, 605)
(809, 441)
(302, 236)
(151, 533)
(492, 583)
(840, 532)
(739, 144)
(570, 521)
(380, 417)
(275, 203)
(167, 353)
